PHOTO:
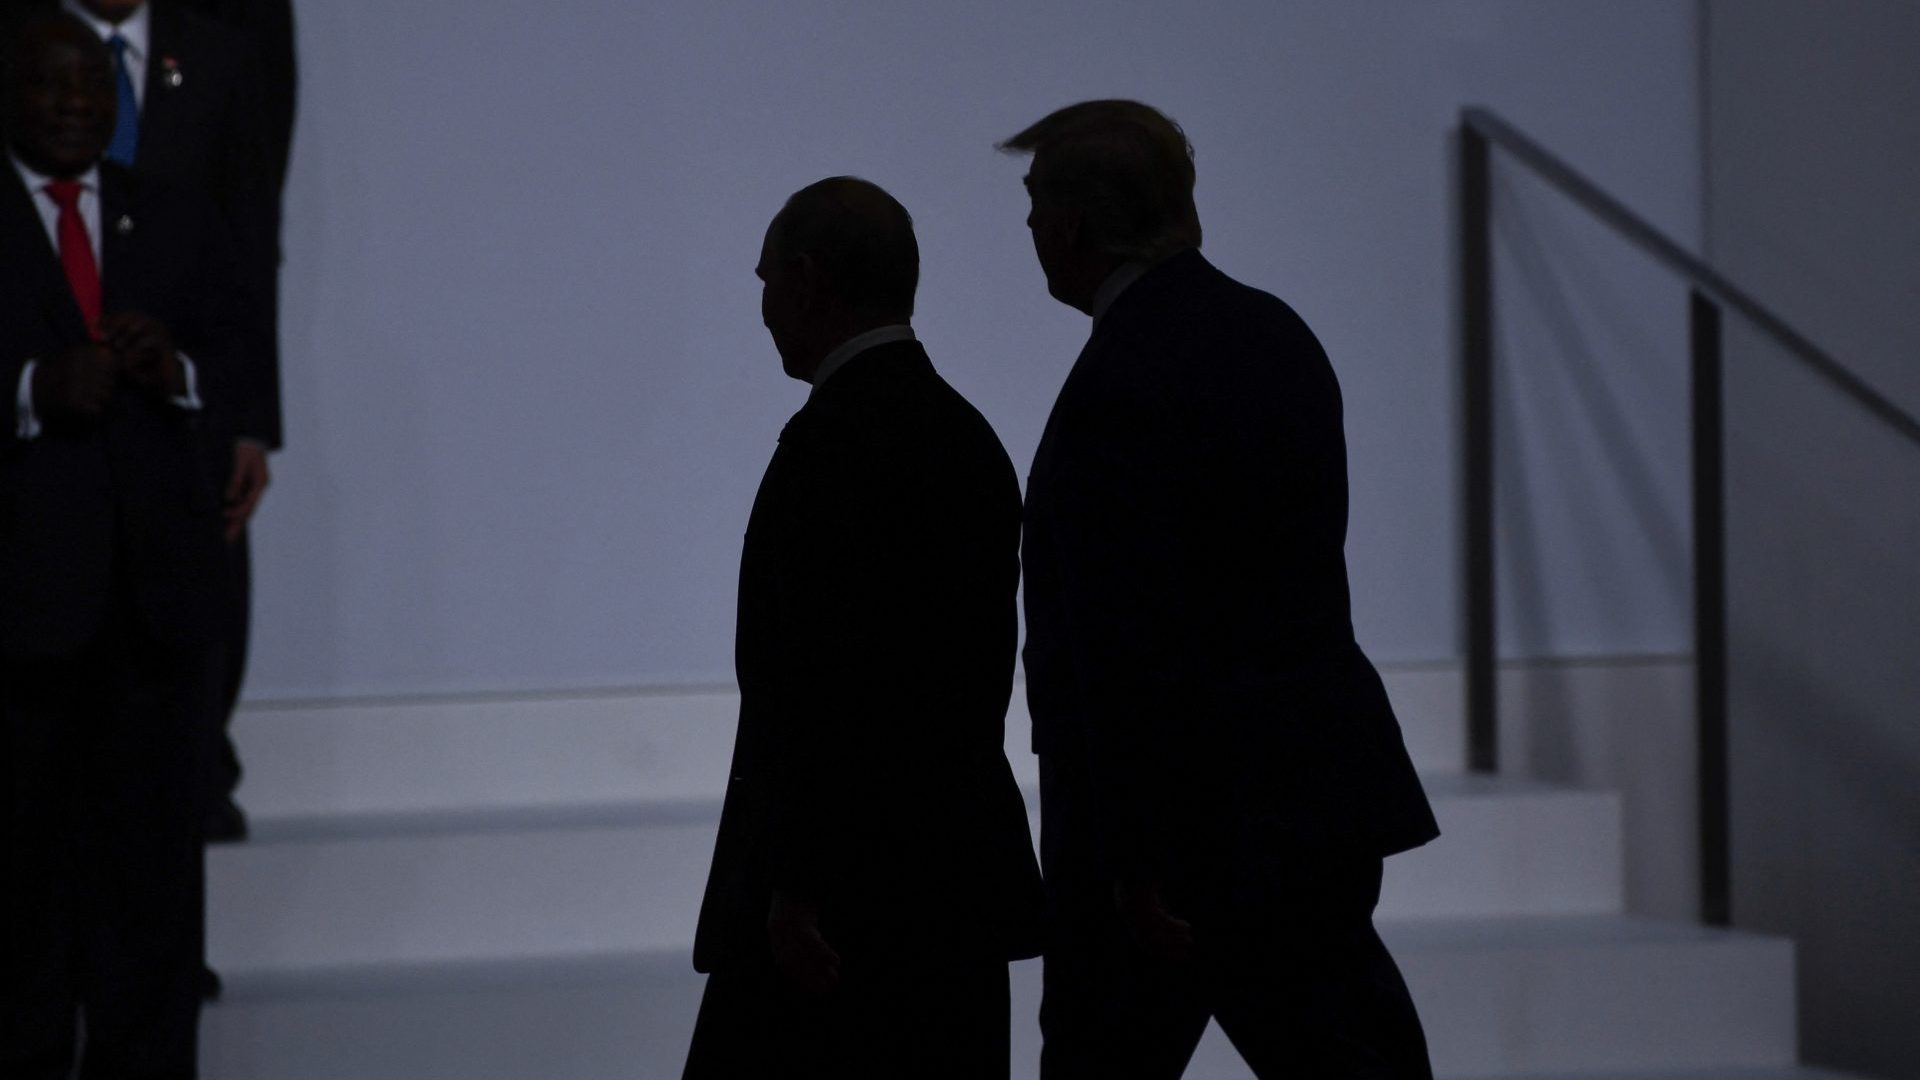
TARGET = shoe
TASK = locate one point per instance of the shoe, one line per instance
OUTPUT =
(226, 823)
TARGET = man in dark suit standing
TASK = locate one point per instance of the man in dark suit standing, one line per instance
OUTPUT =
(1221, 773)
(874, 872)
(121, 329)
(195, 111)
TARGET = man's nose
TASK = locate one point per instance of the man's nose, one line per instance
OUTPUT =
(80, 105)
(78, 95)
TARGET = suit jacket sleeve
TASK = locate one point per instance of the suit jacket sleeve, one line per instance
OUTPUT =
(1124, 518)
(11, 367)
(222, 327)
(219, 134)
(248, 183)
(836, 589)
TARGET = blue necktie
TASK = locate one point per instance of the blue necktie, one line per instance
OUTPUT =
(126, 124)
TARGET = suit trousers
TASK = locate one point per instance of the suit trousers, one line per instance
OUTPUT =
(221, 766)
(932, 1019)
(104, 862)
(1286, 959)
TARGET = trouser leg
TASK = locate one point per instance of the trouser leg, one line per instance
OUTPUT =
(1107, 1010)
(936, 1018)
(1302, 984)
(939, 1019)
(753, 1026)
(143, 871)
(229, 668)
(40, 704)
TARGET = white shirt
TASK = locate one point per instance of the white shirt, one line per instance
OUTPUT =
(136, 29)
(859, 343)
(50, 211)
(27, 424)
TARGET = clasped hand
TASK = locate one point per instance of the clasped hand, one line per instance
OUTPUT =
(132, 347)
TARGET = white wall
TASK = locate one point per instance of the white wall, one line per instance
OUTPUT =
(528, 397)
(1813, 162)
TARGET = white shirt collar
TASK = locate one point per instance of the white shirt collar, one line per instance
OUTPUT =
(36, 181)
(49, 210)
(859, 343)
(136, 28)
(1116, 283)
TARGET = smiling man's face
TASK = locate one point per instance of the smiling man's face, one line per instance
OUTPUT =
(60, 99)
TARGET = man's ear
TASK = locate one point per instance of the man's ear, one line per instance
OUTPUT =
(806, 281)
(1072, 219)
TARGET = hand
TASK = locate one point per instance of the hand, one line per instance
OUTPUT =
(803, 957)
(146, 352)
(76, 384)
(246, 487)
(1158, 932)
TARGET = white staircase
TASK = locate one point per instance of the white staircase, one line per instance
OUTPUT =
(499, 889)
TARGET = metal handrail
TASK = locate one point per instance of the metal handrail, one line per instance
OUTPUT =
(1480, 131)
(1703, 277)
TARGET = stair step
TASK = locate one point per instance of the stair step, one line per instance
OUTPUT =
(1510, 847)
(1509, 998)
(1790, 1072)
(1585, 997)
(560, 880)
(1597, 992)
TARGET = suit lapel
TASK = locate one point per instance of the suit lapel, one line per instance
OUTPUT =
(117, 224)
(158, 102)
(45, 287)
(159, 45)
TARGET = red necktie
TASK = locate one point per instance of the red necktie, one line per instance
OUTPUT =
(76, 252)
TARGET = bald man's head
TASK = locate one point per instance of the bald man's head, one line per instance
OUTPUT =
(859, 237)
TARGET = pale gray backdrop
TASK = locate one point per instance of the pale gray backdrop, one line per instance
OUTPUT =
(1814, 164)
(529, 399)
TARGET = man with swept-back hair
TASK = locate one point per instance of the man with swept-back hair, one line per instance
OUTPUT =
(1221, 772)
(874, 873)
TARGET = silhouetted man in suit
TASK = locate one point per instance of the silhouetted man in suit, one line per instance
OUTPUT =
(874, 873)
(195, 111)
(1221, 773)
(122, 327)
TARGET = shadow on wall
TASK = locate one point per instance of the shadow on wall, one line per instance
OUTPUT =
(1585, 394)
(1594, 530)
(1824, 582)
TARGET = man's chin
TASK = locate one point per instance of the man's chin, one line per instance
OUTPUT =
(60, 162)
(1080, 304)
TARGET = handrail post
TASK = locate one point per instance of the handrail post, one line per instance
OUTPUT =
(1476, 327)
(1710, 612)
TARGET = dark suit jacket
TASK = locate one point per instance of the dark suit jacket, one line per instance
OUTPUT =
(267, 26)
(125, 503)
(212, 132)
(1188, 631)
(875, 651)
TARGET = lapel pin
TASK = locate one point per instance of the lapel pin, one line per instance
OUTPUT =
(125, 225)
(173, 76)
